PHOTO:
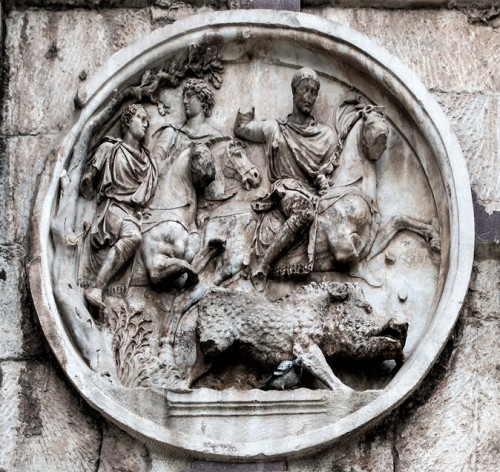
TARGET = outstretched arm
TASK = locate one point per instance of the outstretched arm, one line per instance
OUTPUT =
(247, 127)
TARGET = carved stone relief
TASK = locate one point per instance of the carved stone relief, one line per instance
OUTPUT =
(265, 218)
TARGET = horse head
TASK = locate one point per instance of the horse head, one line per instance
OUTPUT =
(202, 166)
(239, 167)
(375, 132)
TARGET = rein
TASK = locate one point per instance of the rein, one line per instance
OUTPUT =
(231, 165)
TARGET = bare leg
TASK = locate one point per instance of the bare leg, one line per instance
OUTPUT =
(401, 223)
(114, 261)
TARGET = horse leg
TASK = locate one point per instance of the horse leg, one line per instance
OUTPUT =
(400, 223)
(166, 270)
(162, 251)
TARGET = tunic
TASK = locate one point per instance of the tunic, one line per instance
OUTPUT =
(128, 180)
(297, 155)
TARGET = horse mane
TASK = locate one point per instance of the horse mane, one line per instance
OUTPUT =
(216, 139)
(352, 107)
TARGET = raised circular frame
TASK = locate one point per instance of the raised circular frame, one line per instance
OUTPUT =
(362, 54)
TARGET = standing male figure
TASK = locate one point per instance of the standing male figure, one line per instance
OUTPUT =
(301, 155)
(126, 178)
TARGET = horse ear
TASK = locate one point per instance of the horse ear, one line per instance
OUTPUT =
(210, 143)
(375, 109)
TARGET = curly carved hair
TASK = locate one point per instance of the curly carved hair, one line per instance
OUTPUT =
(304, 74)
(203, 92)
(127, 116)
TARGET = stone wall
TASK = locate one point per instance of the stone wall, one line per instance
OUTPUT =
(49, 47)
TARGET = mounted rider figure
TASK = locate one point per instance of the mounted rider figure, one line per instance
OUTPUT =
(301, 157)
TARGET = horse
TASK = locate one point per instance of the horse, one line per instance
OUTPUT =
(171, 236)
(231, 162)
(346, 232)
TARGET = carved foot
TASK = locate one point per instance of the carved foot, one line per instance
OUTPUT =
(314, 361)
(433, 237)
(94, 297)
(435, 243)
(192, 277)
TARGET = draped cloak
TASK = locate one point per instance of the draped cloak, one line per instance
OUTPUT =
(297, 155)
(127, 179)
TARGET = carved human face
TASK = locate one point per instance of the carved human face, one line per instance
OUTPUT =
(192, 104)
(305, 96)
(139, 124)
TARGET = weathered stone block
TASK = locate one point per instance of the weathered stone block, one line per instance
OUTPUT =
(53, 430)
(291, 5)
(10, 304)
(476, 121)
(168, 11)
(483, 301)
(161, 462)
(23, 160)
(397, 3)
(204, 466)
(372, 452)
(46, 56)
(121, 452)
(456, 429)
(18, 332)
(458, 421)
(9, 409)
(447, 52)
(15, 4)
